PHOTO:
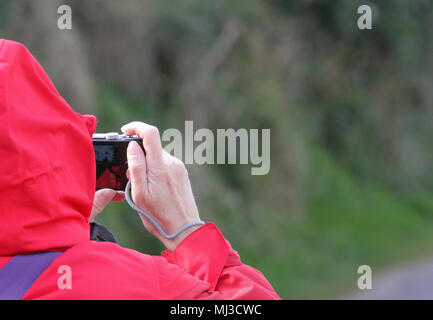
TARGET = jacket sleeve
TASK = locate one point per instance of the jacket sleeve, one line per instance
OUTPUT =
(204, 266)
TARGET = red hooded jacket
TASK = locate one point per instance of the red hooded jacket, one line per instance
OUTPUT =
(47, 185)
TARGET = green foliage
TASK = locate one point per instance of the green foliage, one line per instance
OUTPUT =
(351, 179)
(4, 9)
(347, 221)
(342, 191)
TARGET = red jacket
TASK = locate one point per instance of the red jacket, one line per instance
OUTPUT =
(47, 185)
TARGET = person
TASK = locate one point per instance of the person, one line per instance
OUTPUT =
(47, 197)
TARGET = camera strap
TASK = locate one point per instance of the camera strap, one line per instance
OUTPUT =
(153, 221)
(99, 232)
(19, 274)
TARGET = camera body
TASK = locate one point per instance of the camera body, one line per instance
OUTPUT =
(111, 161)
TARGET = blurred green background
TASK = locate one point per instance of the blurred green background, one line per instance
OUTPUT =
(350, 113)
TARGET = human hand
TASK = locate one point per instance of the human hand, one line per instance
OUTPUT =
(160, 185)
(102, 198)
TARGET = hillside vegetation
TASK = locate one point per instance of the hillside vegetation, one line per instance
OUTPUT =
(350, 112)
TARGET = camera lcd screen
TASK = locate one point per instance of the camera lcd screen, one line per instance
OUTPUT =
(110, 166)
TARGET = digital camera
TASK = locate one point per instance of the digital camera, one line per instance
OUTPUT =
(111, 161)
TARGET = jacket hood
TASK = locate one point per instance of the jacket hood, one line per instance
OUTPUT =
(47, 166)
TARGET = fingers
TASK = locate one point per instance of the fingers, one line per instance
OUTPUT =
(137, 167)
(151, 139)
(102, 198)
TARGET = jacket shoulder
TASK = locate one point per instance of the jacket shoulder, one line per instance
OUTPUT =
(98, 270)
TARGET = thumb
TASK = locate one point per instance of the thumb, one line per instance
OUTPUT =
(102, 198)
(137, 166)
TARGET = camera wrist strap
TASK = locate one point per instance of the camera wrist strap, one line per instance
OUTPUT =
(152, 220)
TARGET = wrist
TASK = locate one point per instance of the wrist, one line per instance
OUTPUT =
(171, 244)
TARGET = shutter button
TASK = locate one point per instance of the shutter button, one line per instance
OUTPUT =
(112, 136)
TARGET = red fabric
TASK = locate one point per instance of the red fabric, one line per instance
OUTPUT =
(47, 184)
(47, 172)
